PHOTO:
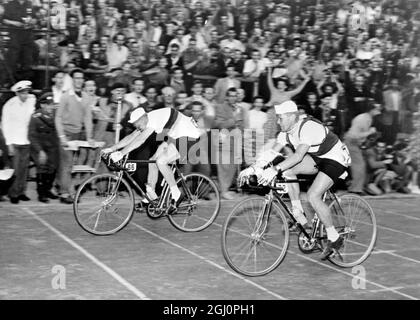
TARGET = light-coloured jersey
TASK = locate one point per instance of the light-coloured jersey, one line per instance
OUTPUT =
(314, 134)
(176, 124)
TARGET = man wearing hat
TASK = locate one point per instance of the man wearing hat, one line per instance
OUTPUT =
(44, 146)
(166, 122)
(318, 151)
(16, 115)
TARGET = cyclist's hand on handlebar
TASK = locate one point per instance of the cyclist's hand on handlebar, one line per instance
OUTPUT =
(267, 176)
(116, 156)
(106, 151)
(244, 175)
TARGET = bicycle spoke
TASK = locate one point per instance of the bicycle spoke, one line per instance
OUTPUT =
(359, 230)
(104, 209)
(200, 213)
(264, 250)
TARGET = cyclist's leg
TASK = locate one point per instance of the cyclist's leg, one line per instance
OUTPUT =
(330, 171)
(169, 155)
(153, 172)
(315, 193)
(306, 166)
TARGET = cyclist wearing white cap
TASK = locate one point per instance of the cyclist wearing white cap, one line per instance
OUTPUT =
(168, 122)
(318, 151)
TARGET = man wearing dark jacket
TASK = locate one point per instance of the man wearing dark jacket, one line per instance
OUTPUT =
(44, 147)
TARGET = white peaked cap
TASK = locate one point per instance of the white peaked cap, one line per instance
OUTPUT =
(136, 115)
(21, 85)
(286, 107)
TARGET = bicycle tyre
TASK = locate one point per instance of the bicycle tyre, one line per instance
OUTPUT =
(202, 215)
(106, 201)
(247, 210)
(353, 238)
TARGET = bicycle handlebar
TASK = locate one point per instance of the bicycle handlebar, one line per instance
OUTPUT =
(120, 165)
(272, 185)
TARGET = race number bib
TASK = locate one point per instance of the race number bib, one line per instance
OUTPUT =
(131, 166)
(282, 188)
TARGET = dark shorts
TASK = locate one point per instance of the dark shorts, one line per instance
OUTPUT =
(331, 168)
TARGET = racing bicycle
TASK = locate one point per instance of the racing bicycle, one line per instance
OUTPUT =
(104, 203)
(255, 234)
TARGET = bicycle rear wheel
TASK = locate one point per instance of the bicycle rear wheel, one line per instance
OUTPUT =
(103, 204)
(250, 248)
(197, 212)
(354, 218)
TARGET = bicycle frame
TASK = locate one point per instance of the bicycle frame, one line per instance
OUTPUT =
(274, 196)
(124, 173)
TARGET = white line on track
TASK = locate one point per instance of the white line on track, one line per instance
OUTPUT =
(91, 257)
(387, 289)
(210, 262)
(344, 272)
(398, 231)
(385, 212)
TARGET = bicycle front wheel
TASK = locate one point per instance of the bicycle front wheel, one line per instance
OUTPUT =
(200, 205)
(355, 220)
(253, 246)
(104, 204)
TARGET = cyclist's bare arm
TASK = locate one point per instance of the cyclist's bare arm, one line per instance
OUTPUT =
(267, 153)
(294, 158)
(125, 141)
(137, 140)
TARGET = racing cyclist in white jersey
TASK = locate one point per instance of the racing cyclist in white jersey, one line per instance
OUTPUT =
(171, 125)
(316, 150)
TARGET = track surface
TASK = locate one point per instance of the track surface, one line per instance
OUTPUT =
(150, 259)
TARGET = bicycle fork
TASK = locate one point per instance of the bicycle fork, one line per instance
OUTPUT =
(262, 221)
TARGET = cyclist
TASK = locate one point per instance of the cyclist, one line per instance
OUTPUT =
(170, 125)
(316, 150)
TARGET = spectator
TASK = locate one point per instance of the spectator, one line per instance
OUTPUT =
(279, 93)
(357, 95)
(168, 95)
(72, 115)
(174, 58)
(224, 84)
(117, 53)
(361, 128)
(158, 76)
(177, 80)
(392, 98)
(135, 97)
(379, 175)
(198, 158)
(58, 88)
(230, 118)
(19, 17)
(200, 42)
(16, 115)
(117, 112)
(155, 30)
(231, 43)
(44, 147)
(254, 131)
(311, 106)
(152, 102)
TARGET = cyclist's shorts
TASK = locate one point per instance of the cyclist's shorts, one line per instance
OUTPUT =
(331, 168)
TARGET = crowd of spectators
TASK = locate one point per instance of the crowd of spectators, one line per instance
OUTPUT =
(354, 65)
